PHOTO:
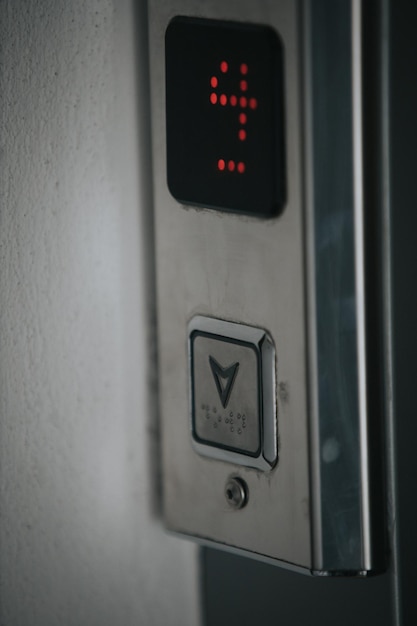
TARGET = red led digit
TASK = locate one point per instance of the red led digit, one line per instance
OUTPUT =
(233, 100)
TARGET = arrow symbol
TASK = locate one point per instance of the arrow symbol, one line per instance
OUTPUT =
(224, 377)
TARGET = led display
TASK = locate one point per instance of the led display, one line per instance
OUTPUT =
(224, 116)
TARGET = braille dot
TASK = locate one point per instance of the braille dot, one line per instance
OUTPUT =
(243, 425)
(244, 69)
(224, 67)
(214, 82)
(239, 416)
(213, 98)
(253, 103)
(232, 421)
(232, 430)
(233, 101)
(223, 99)
(239, 430)
(231, 414)
(227, 420)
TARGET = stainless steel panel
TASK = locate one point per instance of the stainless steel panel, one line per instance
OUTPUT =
(301, 277)
(248, 271)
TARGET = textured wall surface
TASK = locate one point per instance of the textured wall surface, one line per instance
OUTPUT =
(79, 541)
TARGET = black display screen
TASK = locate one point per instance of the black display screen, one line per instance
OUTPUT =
(224, 114)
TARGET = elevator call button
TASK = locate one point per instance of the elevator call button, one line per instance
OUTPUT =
(224, 115)
(232, 370)
(227, 409)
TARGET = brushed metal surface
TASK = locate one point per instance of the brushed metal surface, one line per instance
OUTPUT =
(249, 271)
(345, 464)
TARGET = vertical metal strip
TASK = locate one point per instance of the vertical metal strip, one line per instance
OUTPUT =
(314, 426)
(388, 305)
(357, 122)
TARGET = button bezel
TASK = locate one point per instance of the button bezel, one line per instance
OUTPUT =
(261, 342)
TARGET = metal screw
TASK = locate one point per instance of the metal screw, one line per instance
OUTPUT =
(236, 492)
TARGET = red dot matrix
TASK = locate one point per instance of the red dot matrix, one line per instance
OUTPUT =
(234, 100)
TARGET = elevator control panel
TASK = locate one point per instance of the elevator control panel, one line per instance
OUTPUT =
(260, 289)
(224, 114)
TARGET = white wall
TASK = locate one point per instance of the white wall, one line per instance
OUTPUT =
(79, 542)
